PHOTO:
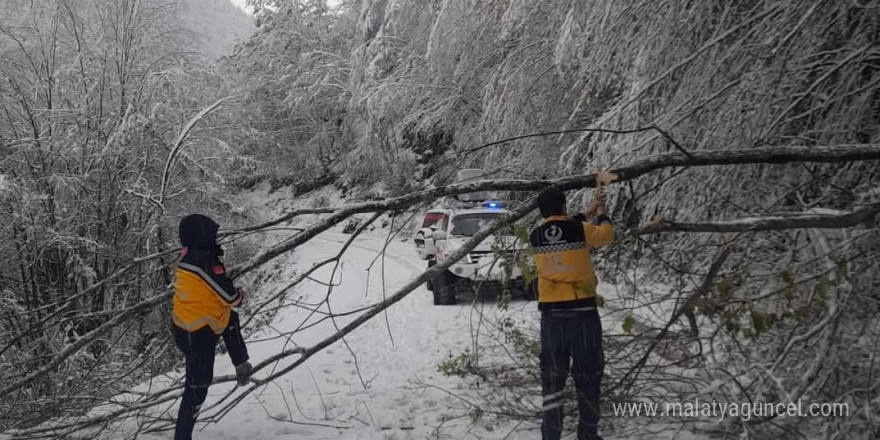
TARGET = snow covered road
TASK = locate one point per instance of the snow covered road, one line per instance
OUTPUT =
(381, 382)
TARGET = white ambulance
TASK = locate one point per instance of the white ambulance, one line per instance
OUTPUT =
(487, 269)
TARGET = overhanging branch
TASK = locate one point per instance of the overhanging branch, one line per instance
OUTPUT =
(771, 155)
(798, 221)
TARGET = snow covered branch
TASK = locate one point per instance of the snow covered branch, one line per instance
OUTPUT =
(178, 146)
(684, 309)
(795, 221)
(74, 347)
(770, 155)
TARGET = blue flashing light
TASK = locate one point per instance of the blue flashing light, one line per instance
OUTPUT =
(493, 205)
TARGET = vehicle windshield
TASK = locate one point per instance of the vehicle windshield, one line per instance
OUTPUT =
(468, 224)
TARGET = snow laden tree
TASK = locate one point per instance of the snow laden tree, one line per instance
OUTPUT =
(619, 81)
(744, 135)
(97, 160)
(294, 75)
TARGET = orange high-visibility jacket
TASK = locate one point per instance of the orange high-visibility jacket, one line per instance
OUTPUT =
(203, 294)
(561, 247)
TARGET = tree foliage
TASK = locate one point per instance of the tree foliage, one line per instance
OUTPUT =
(392, 96)
(93, 97)
(427, 82)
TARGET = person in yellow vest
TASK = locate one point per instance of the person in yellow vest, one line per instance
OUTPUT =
(571, 332)
(202, 313)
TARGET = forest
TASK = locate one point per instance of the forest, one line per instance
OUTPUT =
(745, 137)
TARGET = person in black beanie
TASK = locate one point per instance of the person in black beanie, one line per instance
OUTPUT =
(202, 313)
(571, 331)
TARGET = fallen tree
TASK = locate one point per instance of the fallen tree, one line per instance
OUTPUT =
(696, 158)
(699, 158)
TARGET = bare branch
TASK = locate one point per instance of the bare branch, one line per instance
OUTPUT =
(687, 307)
(178, 145)
(796, 221)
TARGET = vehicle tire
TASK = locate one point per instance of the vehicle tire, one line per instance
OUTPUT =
(419, 241)
(430, 283)
(444, 290)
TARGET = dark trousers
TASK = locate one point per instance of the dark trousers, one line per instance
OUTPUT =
(198, 350)
(571, 341)
(234, 341)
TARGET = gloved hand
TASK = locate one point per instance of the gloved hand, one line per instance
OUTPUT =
(243, 373)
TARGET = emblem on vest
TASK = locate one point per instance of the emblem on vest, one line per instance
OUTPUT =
(553, 234)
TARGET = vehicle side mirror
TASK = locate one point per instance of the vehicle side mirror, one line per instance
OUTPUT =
(439, 235)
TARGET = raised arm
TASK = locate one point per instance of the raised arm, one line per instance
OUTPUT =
(599, 232)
